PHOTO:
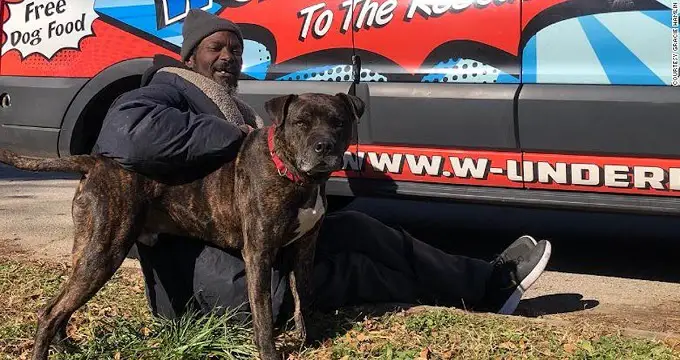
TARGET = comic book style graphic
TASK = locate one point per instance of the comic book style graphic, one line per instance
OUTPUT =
(619, 47)
(443, 41)
(64, 38)
(48, 27)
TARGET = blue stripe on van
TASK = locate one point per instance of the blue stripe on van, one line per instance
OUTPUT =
(619, 63)
(528, 73)
(662, 16)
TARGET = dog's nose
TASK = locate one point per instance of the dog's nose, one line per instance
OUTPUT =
(323, 147)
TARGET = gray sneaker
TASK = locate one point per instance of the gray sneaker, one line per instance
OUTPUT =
(519, 248)
(515, 271)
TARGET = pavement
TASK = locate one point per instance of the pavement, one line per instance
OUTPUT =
(606, 269)
(35, 214)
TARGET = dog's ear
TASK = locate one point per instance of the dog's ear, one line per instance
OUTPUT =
(354, 104)
(277, 108)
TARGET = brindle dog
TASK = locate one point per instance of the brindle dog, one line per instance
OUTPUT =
(270, 198)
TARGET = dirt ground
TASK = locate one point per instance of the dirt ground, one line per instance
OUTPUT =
(35, 222)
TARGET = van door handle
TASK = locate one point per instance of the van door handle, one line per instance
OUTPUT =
(5, 100)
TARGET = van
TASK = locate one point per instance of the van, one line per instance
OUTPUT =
(549, 103)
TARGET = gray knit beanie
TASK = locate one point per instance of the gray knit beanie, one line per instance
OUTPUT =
(200, 24)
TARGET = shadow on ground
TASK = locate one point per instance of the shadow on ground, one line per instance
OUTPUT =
(616, 245)
(554, 304)
(323, 326)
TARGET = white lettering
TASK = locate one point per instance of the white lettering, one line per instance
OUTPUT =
(647, 175)
(372, 13)
(386, 163)
(385, 12)
(418, 5)
(423, 164)
(674, 178)
(323, 23)
(616, 176)
(347, 20)
(468, 167)
(427, 8)
(308, 12)
(368, 9)
(547, 174)
(528, 172)
(514, 171)
(585, 174)
(460, 5)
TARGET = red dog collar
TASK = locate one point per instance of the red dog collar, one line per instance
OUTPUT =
(280, 166)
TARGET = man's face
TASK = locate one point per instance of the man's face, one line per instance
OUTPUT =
(219, 57)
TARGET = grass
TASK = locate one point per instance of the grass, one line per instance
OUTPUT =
(116, 324)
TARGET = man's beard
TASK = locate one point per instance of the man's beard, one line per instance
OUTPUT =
(231, 89)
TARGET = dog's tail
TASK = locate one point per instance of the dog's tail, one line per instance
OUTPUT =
(78, 163)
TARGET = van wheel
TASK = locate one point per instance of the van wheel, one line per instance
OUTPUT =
(90, 121)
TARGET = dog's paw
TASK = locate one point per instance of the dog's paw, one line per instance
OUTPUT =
(300, 328)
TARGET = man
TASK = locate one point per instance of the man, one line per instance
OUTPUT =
(181, 122)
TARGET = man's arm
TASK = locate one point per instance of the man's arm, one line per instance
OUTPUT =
(152, 130)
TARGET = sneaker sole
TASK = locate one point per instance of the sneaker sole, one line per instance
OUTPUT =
(530, 238)
(511, 304)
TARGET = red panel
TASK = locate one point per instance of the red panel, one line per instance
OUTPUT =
(282, 19)
(483, 168)
(408, 43)
(617, 175)
(404, 36)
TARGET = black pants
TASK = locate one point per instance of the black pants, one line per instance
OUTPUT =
(359, 260)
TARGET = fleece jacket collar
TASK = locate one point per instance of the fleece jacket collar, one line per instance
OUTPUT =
(232, 109)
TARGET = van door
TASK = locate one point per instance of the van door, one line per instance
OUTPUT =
(598, 82)
(440, 78)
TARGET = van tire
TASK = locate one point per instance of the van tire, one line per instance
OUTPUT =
(90, 121)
